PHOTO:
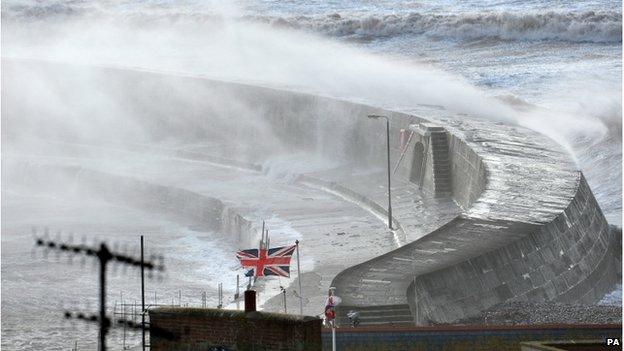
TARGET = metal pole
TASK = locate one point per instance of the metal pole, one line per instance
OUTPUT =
(389, 195)
(284, 293)
(333, 336)
(123, 313)
(237, 295)
(142, 297)
(262, 240)
(299, 278)
(388, 151)
(102, 308)
(416, 300)
(220, 292)
(104, 255)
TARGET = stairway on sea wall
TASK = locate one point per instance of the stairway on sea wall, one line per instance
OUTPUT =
(430, 166)
(531, 230)
(390, 315)
(441, 163)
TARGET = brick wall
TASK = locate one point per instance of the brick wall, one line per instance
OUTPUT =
(202, 329)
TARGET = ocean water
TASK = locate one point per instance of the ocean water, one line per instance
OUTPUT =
(560, 55)
(563, 57)
(556, 62)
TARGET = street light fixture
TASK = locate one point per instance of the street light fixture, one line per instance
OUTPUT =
(388, 149)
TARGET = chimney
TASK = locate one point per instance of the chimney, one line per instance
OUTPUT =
(250, 300)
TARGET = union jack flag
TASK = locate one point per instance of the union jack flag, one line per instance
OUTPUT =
(263, 262)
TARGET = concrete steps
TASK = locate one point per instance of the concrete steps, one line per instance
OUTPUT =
(377, 315)
(441, 164)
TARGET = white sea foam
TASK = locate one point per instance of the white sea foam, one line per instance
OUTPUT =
(572, 26)
(192, 40)
(590, 26)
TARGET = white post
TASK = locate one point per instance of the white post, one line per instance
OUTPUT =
(237, 295)
(262, 238)
(416, 300)
(333, 336)
(220, 296)
(299, 277)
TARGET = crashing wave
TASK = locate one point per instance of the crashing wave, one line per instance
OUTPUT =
(41, 11)
(587, 26)
(590, 26)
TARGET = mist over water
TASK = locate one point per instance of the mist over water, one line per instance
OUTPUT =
(555, 69)
(552, 66)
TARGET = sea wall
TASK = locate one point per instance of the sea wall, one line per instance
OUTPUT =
(468, 175)
(530, 228)
(244, 122)
(570, 259)
(194, 209)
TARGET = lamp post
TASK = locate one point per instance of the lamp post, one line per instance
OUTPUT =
(388, 149)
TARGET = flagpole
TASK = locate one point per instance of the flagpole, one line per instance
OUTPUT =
(262, 240)
(299, 276)
(331, 302)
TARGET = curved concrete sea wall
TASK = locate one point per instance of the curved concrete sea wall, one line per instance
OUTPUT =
(197, 210)
(252, 123)
(468, 172)
(569, 260)
(530, 228)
